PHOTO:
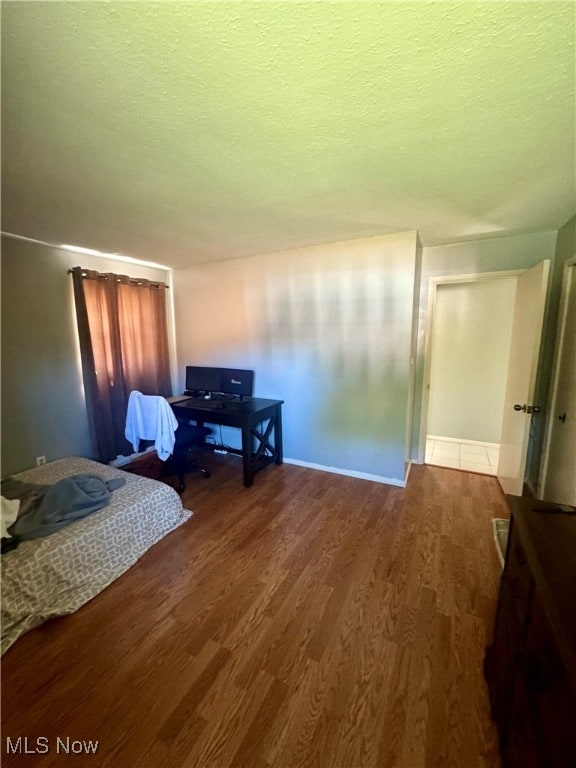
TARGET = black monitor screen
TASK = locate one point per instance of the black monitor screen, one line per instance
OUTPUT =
(237, 382)
(203, 379)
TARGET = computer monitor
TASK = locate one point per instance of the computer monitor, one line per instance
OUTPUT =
(236, 381)
(228, 381)
(202, 379)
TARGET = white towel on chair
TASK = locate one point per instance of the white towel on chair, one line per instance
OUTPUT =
(150, 417)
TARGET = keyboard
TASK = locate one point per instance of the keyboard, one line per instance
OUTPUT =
(210, 405)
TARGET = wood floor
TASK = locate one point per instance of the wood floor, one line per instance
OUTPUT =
(311, 620)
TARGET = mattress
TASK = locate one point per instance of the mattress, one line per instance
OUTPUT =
(57, 574)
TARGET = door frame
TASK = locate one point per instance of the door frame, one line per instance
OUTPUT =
(553, 395)
(433, 284)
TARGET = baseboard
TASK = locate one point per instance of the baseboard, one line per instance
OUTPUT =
(461, 440)
(348, 473)
(408, 468)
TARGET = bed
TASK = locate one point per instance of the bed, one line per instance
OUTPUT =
(55, 575)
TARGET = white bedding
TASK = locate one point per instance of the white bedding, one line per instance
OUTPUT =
(57, 574)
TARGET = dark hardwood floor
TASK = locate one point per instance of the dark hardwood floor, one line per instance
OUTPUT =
(311, 620)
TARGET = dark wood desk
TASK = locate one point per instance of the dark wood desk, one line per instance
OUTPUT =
(259, 420)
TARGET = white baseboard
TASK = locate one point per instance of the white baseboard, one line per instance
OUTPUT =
(407, 473)
(348, 472)
(461, 440)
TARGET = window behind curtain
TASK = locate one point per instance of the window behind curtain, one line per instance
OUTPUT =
(124, 346)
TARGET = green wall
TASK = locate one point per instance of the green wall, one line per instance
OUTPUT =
(328, 329)
(43, 408)
(469, 366)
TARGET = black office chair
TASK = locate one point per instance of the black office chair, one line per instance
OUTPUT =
(190, 439)
(149, 419)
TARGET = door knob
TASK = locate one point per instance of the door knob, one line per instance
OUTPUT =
(562, 418)
(528, 408)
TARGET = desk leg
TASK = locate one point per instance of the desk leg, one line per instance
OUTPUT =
(278, 450)
(247, 457)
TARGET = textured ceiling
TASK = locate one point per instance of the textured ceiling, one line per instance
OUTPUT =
(186, 132)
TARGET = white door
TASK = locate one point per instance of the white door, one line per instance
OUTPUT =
(560, 464)
(519, 399)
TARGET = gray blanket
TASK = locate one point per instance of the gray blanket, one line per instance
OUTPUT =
(45, 509)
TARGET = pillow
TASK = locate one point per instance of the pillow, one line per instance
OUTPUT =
(8, 514)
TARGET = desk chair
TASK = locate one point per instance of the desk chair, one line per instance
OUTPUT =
(150, 418)
(189, 440)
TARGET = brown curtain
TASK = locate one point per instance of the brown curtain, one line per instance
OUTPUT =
(124, 346)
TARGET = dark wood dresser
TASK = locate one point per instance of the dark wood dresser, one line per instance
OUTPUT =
(531, 665)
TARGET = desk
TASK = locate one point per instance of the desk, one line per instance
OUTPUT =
(259, 420)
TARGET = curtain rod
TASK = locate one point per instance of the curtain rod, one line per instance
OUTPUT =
(134, 280)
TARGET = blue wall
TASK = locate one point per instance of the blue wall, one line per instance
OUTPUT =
(326, 329)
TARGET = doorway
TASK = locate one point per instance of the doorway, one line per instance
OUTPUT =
(469, 352)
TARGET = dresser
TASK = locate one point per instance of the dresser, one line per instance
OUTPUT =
(530, 666)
